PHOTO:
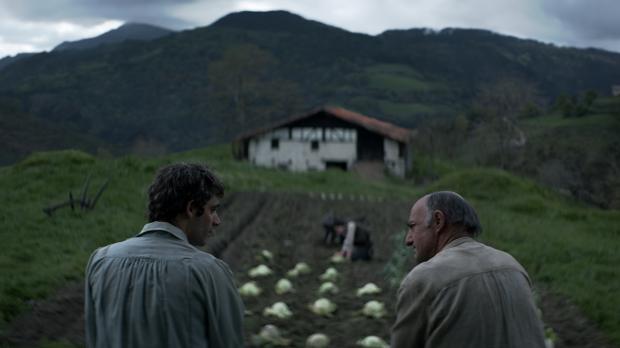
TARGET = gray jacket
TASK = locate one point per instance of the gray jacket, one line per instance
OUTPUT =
(157, 290)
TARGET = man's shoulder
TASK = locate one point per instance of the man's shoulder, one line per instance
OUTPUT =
(204, 261)
(463, 260)
(157, 248)
(495, 259)
(472, 253)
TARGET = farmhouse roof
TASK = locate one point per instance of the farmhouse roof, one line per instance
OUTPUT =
(372, 124)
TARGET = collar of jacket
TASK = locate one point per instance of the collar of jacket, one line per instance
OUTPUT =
(165, 227)
(458, 242)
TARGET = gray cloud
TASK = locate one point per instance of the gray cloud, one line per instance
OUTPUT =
(35, 25)
(592, 19)
(90, 12)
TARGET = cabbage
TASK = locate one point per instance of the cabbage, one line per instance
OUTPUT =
(374, 309)
(270, 335)
(331, 274)
(260, 271)
(368, 289)
(337, 258)
(317, 340)
(283, 286)
(267, 255)
(279, 310)
(300, 268)
(250, 289)
(372, 342)
(328, 287)
(323, 307)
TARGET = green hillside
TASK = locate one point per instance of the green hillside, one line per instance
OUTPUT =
(207, 85)
(578, 155)
(566, 247)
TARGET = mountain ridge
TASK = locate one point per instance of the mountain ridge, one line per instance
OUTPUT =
(178, 83)
(127, 31)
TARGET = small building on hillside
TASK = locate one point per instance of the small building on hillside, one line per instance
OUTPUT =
(330, 137)
(615, 90)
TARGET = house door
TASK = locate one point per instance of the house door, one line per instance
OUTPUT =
(369, 146)
(342, 165)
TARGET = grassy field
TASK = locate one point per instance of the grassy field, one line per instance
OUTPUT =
(566, 246)
(591, 133)
(42, 253)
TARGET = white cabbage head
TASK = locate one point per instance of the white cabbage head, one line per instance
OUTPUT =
(330, 274)
(266, 254)
(337, 258)
(278, 310)
(250, 289)
(372, 342)
(270, 335)
(323, 307)
(299, 269)
(317, 340)
(283, 286)
(374, 309)
(260, 271)
(328, 287)
(368, 289)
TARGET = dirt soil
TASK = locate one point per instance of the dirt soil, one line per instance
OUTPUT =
(288, 225)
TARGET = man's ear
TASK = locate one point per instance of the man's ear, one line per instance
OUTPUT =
(190, 211)
(439, 220)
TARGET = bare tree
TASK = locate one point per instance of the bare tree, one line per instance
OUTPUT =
(500, 105)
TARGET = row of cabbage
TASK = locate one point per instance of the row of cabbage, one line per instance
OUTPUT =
(271, 335)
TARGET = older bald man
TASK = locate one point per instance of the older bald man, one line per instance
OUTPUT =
(461, 293)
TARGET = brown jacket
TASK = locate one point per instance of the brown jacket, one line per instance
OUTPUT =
(468, 295)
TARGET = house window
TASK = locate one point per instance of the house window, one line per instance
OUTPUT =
(401, 150)
(275, 144)
(314, 145)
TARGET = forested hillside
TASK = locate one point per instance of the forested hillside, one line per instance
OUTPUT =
(206, 85)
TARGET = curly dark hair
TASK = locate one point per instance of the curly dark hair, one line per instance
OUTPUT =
(177, 184)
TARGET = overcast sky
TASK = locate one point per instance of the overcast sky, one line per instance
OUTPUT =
(39, 25)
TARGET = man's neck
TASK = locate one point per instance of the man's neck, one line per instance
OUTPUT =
(452, 235)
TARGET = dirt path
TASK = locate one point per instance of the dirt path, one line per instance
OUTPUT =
(288, 225)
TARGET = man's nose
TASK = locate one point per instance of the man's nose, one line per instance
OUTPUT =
(216, 220)
(408, 239)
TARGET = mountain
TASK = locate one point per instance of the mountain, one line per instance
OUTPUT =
(5, 61)
(129, 31)
(273, 21)
(206, 85)
(22, 134)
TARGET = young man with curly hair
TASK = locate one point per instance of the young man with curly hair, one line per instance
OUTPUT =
(158, 289)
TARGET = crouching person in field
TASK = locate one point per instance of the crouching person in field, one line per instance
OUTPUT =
(461, 293)
(158, 289)
(334, 228)
(357, 244)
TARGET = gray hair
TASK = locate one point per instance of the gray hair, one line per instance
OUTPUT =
(456, 210)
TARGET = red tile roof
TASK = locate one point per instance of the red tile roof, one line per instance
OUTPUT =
(372, 124)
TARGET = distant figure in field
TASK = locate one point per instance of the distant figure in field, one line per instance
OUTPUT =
(357, 244)
(158, 289)
(334, 228)
(461, 293)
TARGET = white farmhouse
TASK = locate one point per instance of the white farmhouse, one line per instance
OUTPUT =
(329, 137)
